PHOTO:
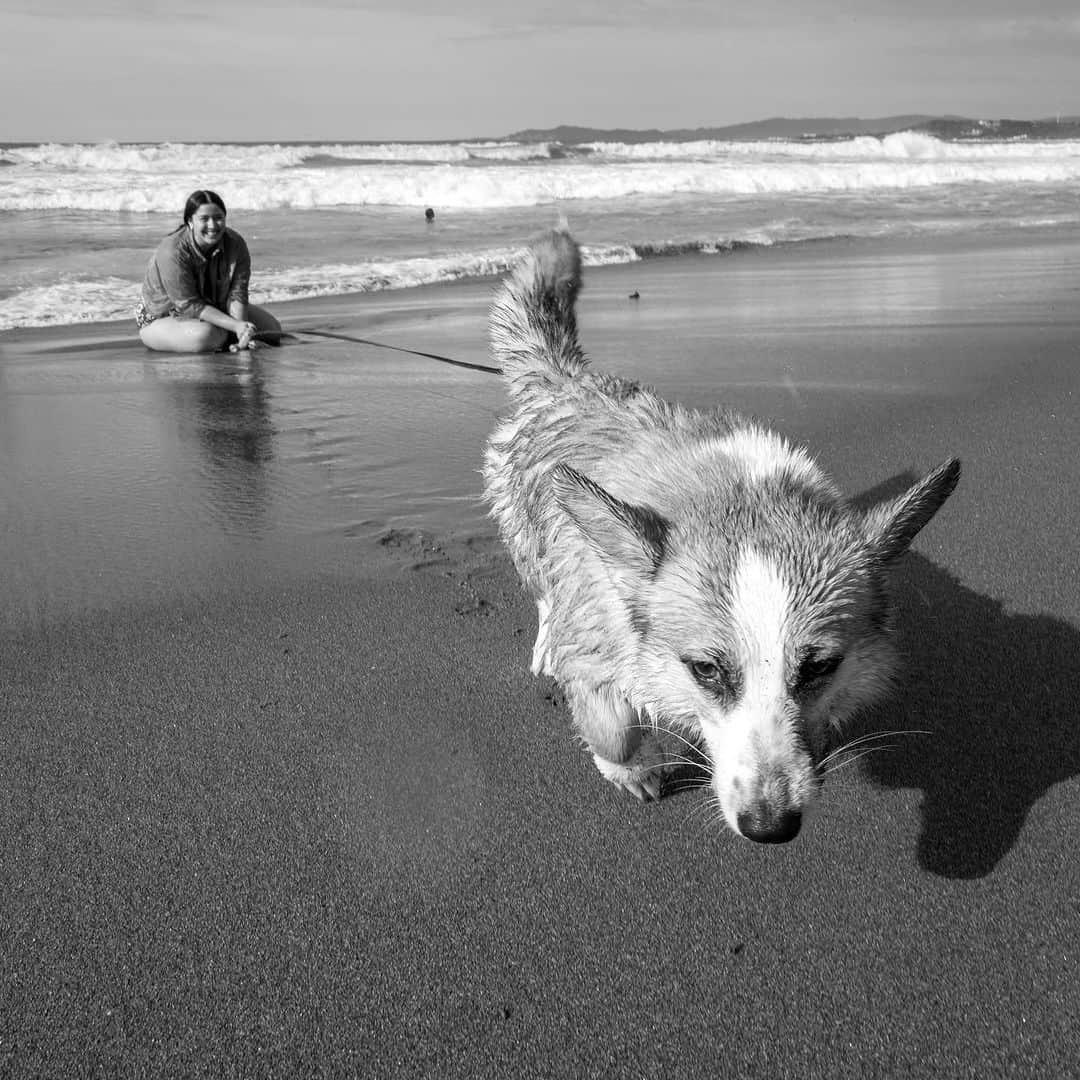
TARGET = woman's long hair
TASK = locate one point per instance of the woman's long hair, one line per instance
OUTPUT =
(197, 199)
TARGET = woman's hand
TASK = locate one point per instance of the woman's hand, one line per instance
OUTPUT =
(245, 334)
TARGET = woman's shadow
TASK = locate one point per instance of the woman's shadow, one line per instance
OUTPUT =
(998, 694)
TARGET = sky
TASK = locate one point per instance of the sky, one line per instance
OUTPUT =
(341, 70)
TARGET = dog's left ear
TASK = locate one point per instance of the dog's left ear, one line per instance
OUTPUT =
(894, 524)
(624, 536)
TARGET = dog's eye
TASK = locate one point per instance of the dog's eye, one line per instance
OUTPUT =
(814, 668)
(711, 674)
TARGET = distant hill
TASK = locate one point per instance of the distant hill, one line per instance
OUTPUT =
(1063, 127)
(780, 127)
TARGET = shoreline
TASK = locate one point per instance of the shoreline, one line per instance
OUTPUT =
(108, 333)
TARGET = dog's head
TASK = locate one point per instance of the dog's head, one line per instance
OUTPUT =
(762, 619)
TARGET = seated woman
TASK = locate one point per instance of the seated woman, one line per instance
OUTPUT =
(195, 294)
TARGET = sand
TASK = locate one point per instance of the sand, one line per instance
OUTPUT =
(296, 807)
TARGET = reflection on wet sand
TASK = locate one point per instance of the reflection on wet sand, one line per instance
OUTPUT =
(226, 416)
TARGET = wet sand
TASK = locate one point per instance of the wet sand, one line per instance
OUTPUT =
(279, 797)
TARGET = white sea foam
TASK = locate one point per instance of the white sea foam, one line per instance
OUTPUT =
(900, 146)
(70, 301)
(484, 176)
(74, 300)
(184, 158)
(72, 254)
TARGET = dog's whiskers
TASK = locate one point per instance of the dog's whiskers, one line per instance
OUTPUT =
(864, 740)
(860, 747)
(835, 767)
(711, 814)
(687, 783)
(679, 759)
(663, 729)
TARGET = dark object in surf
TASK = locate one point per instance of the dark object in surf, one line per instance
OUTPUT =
(429, 214)
(635, 295)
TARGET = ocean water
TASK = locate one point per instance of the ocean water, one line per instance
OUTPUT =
(79, 221)
(131, 479)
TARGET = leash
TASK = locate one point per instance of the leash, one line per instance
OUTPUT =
(380, 345)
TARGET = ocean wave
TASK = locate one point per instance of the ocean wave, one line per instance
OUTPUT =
(215, 157)
(898, 146)
(508, 184)
(69, 300)
(156, 158)
(464, 154)
(542, 151)
(74, 300)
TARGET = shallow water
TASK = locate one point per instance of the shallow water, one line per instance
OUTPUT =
(130, 478)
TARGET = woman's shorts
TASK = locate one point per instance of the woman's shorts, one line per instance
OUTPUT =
(143, 317)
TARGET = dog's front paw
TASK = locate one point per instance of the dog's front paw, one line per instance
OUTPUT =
(642, 774)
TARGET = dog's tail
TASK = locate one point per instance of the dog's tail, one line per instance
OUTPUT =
(533, 326)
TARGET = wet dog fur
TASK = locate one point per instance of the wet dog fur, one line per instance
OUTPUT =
(697, 577)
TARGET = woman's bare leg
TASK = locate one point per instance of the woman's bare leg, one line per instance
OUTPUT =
(263, 319)
(269, 327)
(182, 336)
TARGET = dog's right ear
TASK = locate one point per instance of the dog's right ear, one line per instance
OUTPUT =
(894, 524)
(625, 537)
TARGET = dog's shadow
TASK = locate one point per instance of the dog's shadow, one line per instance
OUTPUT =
(998, 695)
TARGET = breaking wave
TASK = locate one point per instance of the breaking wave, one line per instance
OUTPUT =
(145, 178)
(76, 301)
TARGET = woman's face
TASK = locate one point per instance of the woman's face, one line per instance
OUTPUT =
(207, 225)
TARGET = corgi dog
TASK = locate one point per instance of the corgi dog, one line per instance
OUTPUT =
(696, 575)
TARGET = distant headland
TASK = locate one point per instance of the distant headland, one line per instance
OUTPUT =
(780, 127)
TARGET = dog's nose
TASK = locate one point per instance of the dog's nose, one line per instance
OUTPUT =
(767, 825)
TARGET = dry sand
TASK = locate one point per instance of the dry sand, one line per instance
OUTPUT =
(315, 817)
